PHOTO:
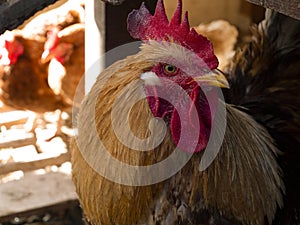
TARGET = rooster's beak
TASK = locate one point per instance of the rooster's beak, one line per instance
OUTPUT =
(213, 78)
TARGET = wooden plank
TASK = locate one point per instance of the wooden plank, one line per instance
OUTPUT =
(17, 140)
(11, 118)
(290, 8)
(35, 191)
(39, 161)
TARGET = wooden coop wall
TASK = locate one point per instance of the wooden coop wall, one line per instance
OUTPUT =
(238, 12)
(290, 8)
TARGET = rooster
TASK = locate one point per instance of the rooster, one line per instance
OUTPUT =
(158, 144)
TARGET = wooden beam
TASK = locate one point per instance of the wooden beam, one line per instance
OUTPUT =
(14, 12)
(39, 161)
(290, 8)
(94, 41)
(18, 141)
(12, 118)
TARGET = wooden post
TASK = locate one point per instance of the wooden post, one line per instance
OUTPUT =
(94, 41)
(116, 32)
(106, 28)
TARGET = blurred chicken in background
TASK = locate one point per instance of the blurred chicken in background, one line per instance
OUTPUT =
(252, 179)
(65, 51)
(223, 36)
(23, 79)
(24, 75)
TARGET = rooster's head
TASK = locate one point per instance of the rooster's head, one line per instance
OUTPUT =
(181, 57)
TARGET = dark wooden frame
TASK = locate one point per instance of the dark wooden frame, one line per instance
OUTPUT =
(14, 12)
(290, 8)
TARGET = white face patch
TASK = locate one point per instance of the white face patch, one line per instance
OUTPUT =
(150, 78)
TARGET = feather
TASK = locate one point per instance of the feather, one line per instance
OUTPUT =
(264, 80)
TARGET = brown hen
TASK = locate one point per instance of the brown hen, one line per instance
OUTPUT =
(23, 79)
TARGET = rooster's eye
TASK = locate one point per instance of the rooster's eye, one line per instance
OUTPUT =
(170, 69)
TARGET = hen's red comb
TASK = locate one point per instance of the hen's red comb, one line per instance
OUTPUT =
(142, 25)
(52, 39)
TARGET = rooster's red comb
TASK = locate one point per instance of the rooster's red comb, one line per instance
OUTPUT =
(142, 25)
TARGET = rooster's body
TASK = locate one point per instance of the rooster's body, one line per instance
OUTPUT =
(247, 181)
